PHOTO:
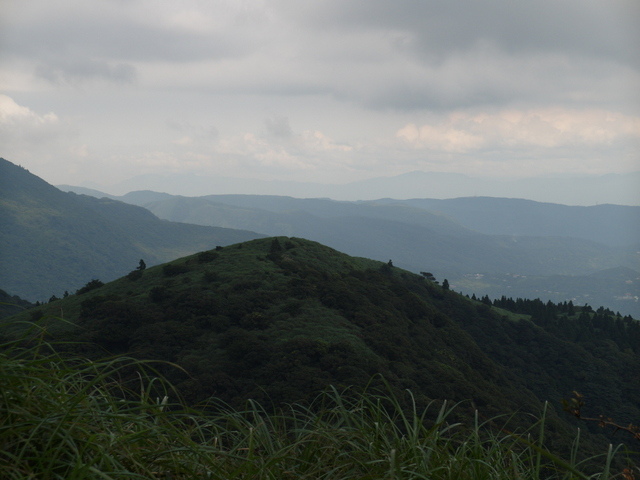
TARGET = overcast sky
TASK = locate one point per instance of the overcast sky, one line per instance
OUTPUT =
(327, 90)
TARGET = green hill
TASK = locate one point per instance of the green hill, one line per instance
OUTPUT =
(278, 320)
(51, 241)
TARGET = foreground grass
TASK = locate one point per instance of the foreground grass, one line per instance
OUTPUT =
(73, 419)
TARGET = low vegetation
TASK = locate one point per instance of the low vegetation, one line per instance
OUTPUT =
(68, 418)
(317, 340)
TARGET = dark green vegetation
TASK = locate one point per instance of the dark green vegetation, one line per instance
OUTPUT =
(52, 241)
(564, 252)
(278, 320)
(69, 418)
(617, 288)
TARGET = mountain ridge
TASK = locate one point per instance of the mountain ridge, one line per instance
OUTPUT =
(49, 238)
(563, 189)
(614, 225)
(450, 238)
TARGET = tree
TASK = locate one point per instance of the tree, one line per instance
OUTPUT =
(275, 250)
(445, 284)
(386, 267)
(429, 276)
(275, 246)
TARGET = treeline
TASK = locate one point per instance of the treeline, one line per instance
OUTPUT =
(578, 324)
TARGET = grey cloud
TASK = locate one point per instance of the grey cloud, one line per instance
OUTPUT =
(494, 79)
(411, 54)
(121, 39)
(74, 71)
(200, 133)
(278, 127)
(435, 28)
(468, 53)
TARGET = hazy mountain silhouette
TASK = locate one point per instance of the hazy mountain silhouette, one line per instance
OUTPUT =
(619, 189)
(51, 241)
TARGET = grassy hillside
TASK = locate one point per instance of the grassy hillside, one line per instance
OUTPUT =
(52, 241)
(278, 320)
(241, 316)
(72, 418)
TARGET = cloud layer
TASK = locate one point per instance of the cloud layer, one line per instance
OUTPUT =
(329, 91)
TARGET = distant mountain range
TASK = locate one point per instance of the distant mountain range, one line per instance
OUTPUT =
(621, 189)
(482, 245)
(614, 225)
(52, 241)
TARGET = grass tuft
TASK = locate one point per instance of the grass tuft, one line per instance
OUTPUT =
(69, 418)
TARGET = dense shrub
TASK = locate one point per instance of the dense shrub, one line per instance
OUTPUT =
(173, 269)
(72, 418)
(206, 257)
(91, 285)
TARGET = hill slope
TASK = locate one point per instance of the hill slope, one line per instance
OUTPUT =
(51, 241)
(277, 320)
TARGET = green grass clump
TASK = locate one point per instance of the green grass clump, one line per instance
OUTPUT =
(69, 418)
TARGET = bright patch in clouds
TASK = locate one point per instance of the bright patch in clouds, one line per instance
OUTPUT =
(14, 115)
(550, 129)
(308, 150)
(28, 136)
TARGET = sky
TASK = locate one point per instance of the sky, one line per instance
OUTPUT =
(331, 91)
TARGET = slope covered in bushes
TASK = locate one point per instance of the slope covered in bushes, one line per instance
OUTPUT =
(277, 320)
(66, 417)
